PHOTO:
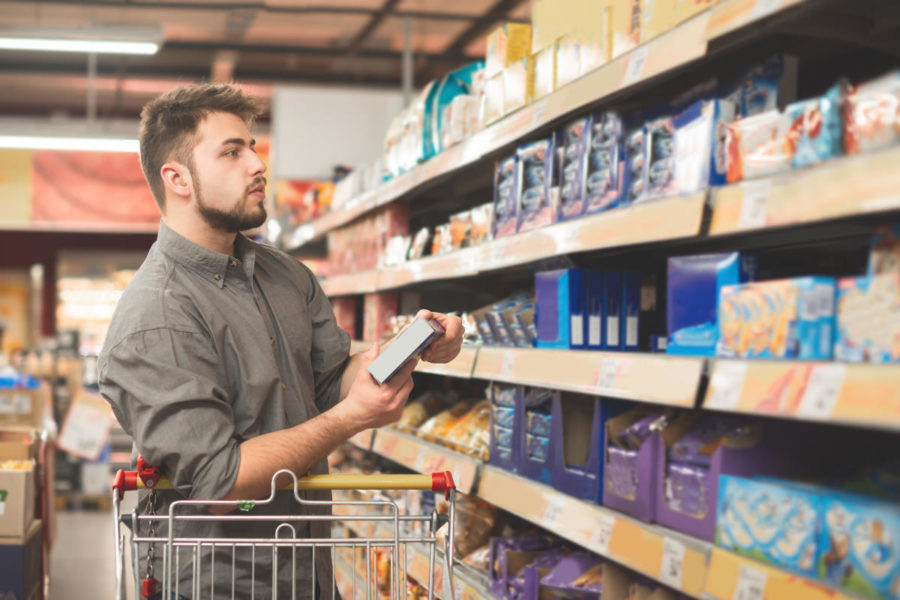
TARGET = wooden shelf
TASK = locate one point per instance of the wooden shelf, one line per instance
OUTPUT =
(425, 457)
(732, 15)
(857, 394)
(657, 378)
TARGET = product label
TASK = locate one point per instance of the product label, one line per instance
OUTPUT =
(577, 330)
(670, 569)
(609, 370)
(751, 584)
(612, 331)
(506, 367)
(753, 205)
(822, 391)
(602, 533)
(636, 62)
(726, 384)
(594, 331)
(631, 331)
(550, 518)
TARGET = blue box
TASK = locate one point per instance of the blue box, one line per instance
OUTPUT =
(575, 140)
(506, 200)
(694, 285)
(612, 310)
(538, 423)
(560, 301)
(538, 463)
(631, 310)
(538, 184)
(700, 151)
(634, 186)
(605, 164)
(595, 284)
(507, 410)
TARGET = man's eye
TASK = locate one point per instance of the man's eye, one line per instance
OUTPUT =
(232, 153)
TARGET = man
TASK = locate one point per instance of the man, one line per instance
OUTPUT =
(223, 359)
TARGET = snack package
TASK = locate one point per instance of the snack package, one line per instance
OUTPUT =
(461, 230)
(636, 169)
(538, 423)
(472, 432)
(759, 146)
(479, 559)
(660, 143)
(884, 252)
(538, 184)
(482, 219)
(537, 446)
(438, 425)
(475, 521)
(872, 114)
(578, 575)
(419, 244)
(604, 166)
(575, 139)
(868, 318)
(816, 129)
(621, 472)
(420, 410)
(506, 201)
(700, 152)
(545, 72)
(766, 86)
(518, 85)
(456, 84)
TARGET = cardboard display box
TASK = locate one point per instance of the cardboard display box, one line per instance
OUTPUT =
(17, 487)
(21, 565)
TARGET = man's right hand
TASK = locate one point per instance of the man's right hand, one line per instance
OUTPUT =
(368, 404)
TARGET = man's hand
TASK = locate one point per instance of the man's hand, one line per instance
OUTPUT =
(447, 347)
(368, 404)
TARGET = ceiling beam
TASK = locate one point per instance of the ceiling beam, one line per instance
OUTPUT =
(375, 20)
(441, 57)
(499, 11)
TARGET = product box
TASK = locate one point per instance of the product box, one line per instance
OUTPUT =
(506, 201)
(22, 401)
(605, 164)
(872, 111)
(559, 296)
(595, 284)
(868, 319)
(538, 184)
(536, 453)
(500, 316)
(613, 312)
(507, 44)
(630, 472)
(660, 158)
(526, 318)
(379, 309)
(766, 86)
(816, 129)
(17, 483)
(518, 85)
(403, 347)
(493, 102)
(578, 576)
(577, 439)
(485, 331)
(574, 139)
(884, 251)
(544, 71)
(631, 310)
(636, 172)
(568, 60)
(593, 54)
(626, 25)
(507, 417)
(770, 521)
(521, 336)
(21, 565)
(759, 146)
(693, 289)
(700, 152)
(860, 544)
(774, 319)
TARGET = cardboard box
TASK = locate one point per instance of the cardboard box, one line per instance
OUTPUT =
(605, 165)
(577, 439)
(23, 405)
(493, 101)
(506, 401)
(560, 300)
(639, 502)
(518, 85)
(538, 183)
(868, 319)
(17, 488)
(535, 452)
(552, 19)
(506, 45)
(21, 565)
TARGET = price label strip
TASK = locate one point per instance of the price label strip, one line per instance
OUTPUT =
(726, 384)
(763, 8)
(671, 567)
(506, 367)
(822, 391)
(751, 584)
(636, 62)
(602, 533)
(754, 204)
(609, 371)
(554, 509)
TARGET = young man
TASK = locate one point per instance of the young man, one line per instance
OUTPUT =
(223, 360)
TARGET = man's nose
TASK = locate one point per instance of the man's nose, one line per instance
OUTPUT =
(258, 166)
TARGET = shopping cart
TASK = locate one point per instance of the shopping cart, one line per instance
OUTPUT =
(394, 533)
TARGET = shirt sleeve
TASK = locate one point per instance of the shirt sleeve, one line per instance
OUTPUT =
(162, 386)
(330, 349)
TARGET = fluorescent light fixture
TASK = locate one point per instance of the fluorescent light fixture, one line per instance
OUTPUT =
(86, 46)
(95, 144)
(111, 39)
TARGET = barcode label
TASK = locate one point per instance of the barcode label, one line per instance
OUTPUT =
(594, 331)
(753, 205)
(550, 518)
(726, 384)
(631, 331)
(636, 62)
(609, 371)
(670, 570)
(612, 332)
(751, 584)
(602, 533)
(822, 391)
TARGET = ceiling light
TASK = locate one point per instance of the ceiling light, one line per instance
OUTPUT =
(100, 40)
(95, 144)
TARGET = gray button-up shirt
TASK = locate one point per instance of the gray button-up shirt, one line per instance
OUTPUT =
(206, 350)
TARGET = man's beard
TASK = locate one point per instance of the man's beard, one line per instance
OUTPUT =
(234, 220)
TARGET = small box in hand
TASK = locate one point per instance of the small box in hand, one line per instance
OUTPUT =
(407, 344)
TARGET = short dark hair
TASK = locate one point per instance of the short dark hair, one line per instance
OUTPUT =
(169, 122)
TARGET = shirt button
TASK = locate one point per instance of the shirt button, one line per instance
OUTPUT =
(216, 277)
(283, 386)
(272, 341)
(234, 263)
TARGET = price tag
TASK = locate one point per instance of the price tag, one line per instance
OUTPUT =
(635, 69)
(753, 205)
(751, 584)
(550, 518)
(609, 370)
(421, 460)
(763, 8)
(726, 384)
(85, 429)
(537, 115)
(509, 359)
(672, 563)
(602, 533)
(822, 391)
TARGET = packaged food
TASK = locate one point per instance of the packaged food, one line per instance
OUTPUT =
(636, 167)
(868, 318)
(538, 184)
(482, 219)
(438, 425)
(872, 114)
(419, 243)
(604, 166)
(461, 230)
(475, 521)
(816, 132)
(573, 164)
(506, 201)
(660, 158)
(420, 410)
(759, 146)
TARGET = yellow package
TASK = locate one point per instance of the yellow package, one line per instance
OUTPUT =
(593, 32)
(518, 85)
(657, 17)
(507, 44)
(626, 25)
(552, 19)
(545, 71)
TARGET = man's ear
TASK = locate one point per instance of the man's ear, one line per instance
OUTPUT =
(177, 179)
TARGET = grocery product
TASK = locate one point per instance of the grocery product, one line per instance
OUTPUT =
(759, 146)
(699, 145)
(507, 44)
(560, 307)
(574, 142)
(868, 318)
(544, 71)
(538, 184)
(518, 84)
(506, 201)
(872, 114)
(604, 167)
(816, 129)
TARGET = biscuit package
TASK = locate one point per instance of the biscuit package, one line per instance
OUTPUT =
(538, 186)
(573, 163)
(603, 169)
(872, 114)
(505, 199)
(868, 318)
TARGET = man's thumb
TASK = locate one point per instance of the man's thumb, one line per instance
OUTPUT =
(371, 353)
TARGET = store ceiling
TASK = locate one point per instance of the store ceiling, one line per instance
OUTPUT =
(257, 42)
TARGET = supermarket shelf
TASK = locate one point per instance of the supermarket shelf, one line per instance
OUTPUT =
(810, 195)
(683, 44)
(732, 576)
(657, 378)
(677, 560)
(461, 366)
(857, 394)
(664, 219)
(425, 457)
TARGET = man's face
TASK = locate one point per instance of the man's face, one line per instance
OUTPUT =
(228, 175)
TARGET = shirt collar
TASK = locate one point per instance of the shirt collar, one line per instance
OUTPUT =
(215, 265)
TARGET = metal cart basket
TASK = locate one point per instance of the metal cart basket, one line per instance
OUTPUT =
(155, 539)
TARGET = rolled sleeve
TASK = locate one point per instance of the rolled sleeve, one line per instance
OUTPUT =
(330, 348)
(162, 386)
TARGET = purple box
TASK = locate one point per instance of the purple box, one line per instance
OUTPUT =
(565, 576)
(642, 504)
(532, 466)
(509, 557)
(506, 399)
(576, 437)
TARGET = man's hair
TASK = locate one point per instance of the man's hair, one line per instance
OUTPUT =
(169, 124)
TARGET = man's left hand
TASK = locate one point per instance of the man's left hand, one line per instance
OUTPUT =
(447, 347)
